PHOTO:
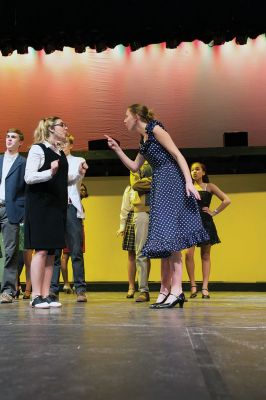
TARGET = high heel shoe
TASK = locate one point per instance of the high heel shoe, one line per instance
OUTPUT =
(130, 293)
(179, 300)
(18, 293)
(206, 296)
(154, 305)
(194, 294)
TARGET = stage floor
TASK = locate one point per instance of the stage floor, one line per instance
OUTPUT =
(115, 348)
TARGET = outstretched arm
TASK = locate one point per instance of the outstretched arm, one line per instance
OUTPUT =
(130, 164)
(166, 141)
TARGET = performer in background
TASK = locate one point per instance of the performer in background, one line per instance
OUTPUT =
(74, 226)
(66, 254)
(127, 231)
(138, 202)
(206, 191)
(12, 198)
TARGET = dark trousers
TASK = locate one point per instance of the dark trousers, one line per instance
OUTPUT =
(10, 233)
(74, 241)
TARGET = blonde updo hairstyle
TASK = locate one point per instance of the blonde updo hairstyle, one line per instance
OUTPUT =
(43, 130)
(145, 114)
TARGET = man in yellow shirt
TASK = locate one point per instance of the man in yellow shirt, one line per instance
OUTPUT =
(141, 182)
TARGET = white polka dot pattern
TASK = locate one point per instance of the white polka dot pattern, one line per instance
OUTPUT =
(175, 222)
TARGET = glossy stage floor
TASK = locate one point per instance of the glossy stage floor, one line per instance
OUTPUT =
(115, 348)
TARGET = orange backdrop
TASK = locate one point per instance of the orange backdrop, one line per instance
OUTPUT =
(198, 91)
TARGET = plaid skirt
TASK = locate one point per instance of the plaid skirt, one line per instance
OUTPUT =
(129, 234)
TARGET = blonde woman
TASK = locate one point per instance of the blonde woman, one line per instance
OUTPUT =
(46, 176)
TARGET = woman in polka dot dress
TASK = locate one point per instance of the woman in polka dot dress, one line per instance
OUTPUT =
(175, 222)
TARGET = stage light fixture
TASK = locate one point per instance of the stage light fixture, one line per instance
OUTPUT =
(217, 41)
(172, 44)
(135, 46)
(6, 50)
(80, 48)
(59, 46)
(100, 46)
(241, 39)
(49, 48)
(22, 49)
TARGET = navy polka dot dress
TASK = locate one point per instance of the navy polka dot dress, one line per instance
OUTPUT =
(175, 222)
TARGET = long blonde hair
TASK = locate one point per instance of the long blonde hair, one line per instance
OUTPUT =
(42, 132)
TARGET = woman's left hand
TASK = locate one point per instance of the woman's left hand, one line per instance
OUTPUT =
(190, 189)
(207, 211)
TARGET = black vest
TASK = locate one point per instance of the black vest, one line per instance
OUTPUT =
(46, 206)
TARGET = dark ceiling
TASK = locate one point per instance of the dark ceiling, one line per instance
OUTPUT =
(51, 25)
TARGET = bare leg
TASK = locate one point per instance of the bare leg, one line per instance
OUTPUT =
(20, 267)
(37, 271)
(27, 261)
(64, 268)
(48, 272)
(166, 275)
(190, 265)
(175, 261)
(131, 268)
(206, 267)
(166, 278)
(148, 266)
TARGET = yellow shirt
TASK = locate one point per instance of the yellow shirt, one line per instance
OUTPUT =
(141, 182)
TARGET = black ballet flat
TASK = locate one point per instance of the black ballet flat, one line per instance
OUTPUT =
(179, 300)
(154, 305)
(130, 293)
(206, 296)
(193, 295)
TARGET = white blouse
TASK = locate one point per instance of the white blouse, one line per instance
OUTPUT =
(35, 161)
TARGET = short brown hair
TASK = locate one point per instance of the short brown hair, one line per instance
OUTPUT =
(18, 131)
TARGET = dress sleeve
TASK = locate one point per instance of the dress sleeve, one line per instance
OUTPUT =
(151, 125)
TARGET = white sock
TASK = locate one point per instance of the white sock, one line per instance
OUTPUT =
(161, 297)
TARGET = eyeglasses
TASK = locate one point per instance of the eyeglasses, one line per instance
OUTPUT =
(11, 137)
(62, 124)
